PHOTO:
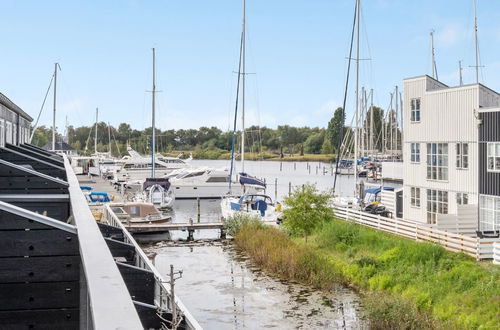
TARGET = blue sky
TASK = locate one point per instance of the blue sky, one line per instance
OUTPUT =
(297, 49)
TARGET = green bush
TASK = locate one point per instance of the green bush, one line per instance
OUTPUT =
(233, 224)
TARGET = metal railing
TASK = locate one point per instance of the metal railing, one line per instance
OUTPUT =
(162, 292)
(108, 303)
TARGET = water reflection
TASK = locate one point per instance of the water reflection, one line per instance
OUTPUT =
(223, 290)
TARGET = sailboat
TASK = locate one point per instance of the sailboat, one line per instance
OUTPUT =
(254, 203)
(156, 190)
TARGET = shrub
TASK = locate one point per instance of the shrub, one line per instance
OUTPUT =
(233, 224)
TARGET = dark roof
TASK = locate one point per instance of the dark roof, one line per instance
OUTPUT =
(60, 146)
(12, 106)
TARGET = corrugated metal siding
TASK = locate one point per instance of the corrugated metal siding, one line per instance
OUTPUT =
(489, 131)
(447, 116)
(489, 182)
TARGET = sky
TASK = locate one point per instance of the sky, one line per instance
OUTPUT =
(297, 53)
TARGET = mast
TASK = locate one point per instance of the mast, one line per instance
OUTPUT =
(434, 67)
(397, 122)
(372, 125)
(109, 138)
(476, 42)
(153, 137)
(54, 113)
(460, 72)
(357, 103)
(95, 139)
(243, 89)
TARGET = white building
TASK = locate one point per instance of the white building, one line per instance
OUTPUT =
(441, 146)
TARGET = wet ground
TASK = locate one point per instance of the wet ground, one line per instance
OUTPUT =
(224, 290)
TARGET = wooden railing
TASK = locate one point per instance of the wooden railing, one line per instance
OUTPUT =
(479, 248)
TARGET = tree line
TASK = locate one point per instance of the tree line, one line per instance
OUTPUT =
(283, 139)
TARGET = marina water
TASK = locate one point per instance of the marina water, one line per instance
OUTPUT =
(222, 288)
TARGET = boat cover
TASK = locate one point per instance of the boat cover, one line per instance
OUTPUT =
(247, 179)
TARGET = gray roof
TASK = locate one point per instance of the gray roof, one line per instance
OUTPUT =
(12, 106)
(60, 146)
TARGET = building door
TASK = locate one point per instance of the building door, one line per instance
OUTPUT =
(399, 204)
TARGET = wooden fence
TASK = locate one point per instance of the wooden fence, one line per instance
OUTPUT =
(479, 248)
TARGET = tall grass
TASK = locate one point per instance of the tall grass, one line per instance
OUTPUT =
(404, 284)
(452, 287)
(275, 252)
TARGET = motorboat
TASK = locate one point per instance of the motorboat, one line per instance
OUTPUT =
(156, 191)
(139, 168)
(259, 206)
(205, 182)
(138, 213)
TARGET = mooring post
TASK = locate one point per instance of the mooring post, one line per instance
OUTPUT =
(198, 203)
(289, 188)
(294, 166)
(275, 189)
(281, 166)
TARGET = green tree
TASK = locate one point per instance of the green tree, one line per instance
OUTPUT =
(307, 209)
(314, 143)
(327, 147)
(334, 128)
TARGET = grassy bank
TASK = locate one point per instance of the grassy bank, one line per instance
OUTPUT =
(213, 154)
(404, 284)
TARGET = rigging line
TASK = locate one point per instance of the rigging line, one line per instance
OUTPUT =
(236, 110)
(345, 97)
(41, 108)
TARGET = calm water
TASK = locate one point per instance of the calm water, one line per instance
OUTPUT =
(221, 287)
(223, 290)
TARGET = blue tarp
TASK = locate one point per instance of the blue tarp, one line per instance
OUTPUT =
(99, 197)
(85, 188)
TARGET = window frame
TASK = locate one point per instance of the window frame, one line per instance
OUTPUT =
(462, 198)
(415, 153)
(437, 161)
(489, 206)
(462, 155)
(495, 158)
(415, 197)
(415, 109)
(438, 203)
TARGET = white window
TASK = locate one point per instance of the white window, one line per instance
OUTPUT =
(494, 156)
(437, 161)
(27, 135)
(437, 203)
(8, 132)
(2, 133)
(462, 155)
(14, 134)
(415, 152)
(489, 213)
(415, 110)
(415, 196)
(462, 198)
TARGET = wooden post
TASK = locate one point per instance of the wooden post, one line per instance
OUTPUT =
(275, 189)
(198, 203)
